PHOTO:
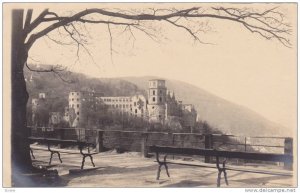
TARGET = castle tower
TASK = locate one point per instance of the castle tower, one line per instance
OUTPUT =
(75, 105)
(156, 100)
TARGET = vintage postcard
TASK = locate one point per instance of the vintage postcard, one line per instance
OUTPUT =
(150, 95)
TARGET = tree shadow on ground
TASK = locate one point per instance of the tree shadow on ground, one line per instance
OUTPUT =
(262, 180)
(189, 184)
(37, 180)
(65, 179)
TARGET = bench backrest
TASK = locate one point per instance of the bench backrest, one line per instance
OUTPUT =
(60, 141)
(228, 154)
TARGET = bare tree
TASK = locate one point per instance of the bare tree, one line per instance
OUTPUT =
(269, 24)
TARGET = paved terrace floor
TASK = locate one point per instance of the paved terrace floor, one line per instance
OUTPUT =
(131, 170)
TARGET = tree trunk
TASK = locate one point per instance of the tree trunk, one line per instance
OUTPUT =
(20, 150)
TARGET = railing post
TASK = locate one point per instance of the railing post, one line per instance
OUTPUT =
(288, 150)
(245, 144)
(144, 148)
(99, 141)
(173, 142)
(208, 141)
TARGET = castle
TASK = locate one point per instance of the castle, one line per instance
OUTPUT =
(160, 106)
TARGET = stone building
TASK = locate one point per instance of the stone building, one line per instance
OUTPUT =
(157, 100)
(55, 118)
(189, 115)
(35, 103)
(160, 106)
(75, 100)
(131, 105)
(164, 108)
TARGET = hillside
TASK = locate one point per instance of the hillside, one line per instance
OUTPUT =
(55, 87)
(230, 118)
(219, 113)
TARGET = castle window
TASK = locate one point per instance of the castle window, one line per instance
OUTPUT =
(152, 107)
(160, 99)
(78, 93)
(153, 99)
(160, 91)
(77, 113)
(154, 92)
(135, 111)
(117, 105)
(77, 99)
(72, 93)
(72, 99)
(78, 105)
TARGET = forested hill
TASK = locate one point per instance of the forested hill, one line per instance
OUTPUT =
(54, 86)
(228, 117)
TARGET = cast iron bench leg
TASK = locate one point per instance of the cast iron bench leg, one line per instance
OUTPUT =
(52, 153)
(91, 157)
(51, 158)
(160, 165)
(158, 172)
(59, 156)
(225, 176)
(83, 160)
(219, 179)
(32, 153)
(221, 170)
(167, 170)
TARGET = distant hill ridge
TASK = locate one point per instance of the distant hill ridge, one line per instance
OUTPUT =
(228, 117)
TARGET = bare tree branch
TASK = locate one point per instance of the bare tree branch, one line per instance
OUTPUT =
(28, 18)
(269, 24)
(58, 42)
(57, 68)
(188, 30)
(110, 42)
(233, 14)
(36, 22)
(269, 30)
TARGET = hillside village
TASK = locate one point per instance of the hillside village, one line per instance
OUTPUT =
(160, 106)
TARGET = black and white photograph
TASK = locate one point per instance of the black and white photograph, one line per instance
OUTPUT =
(150, 95)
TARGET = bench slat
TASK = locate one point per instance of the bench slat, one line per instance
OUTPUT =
(59, 141)
(227, 154)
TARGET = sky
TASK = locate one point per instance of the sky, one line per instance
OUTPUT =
(237, 65)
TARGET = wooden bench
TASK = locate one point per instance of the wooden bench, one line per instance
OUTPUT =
(53, 141)
(216, 153)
